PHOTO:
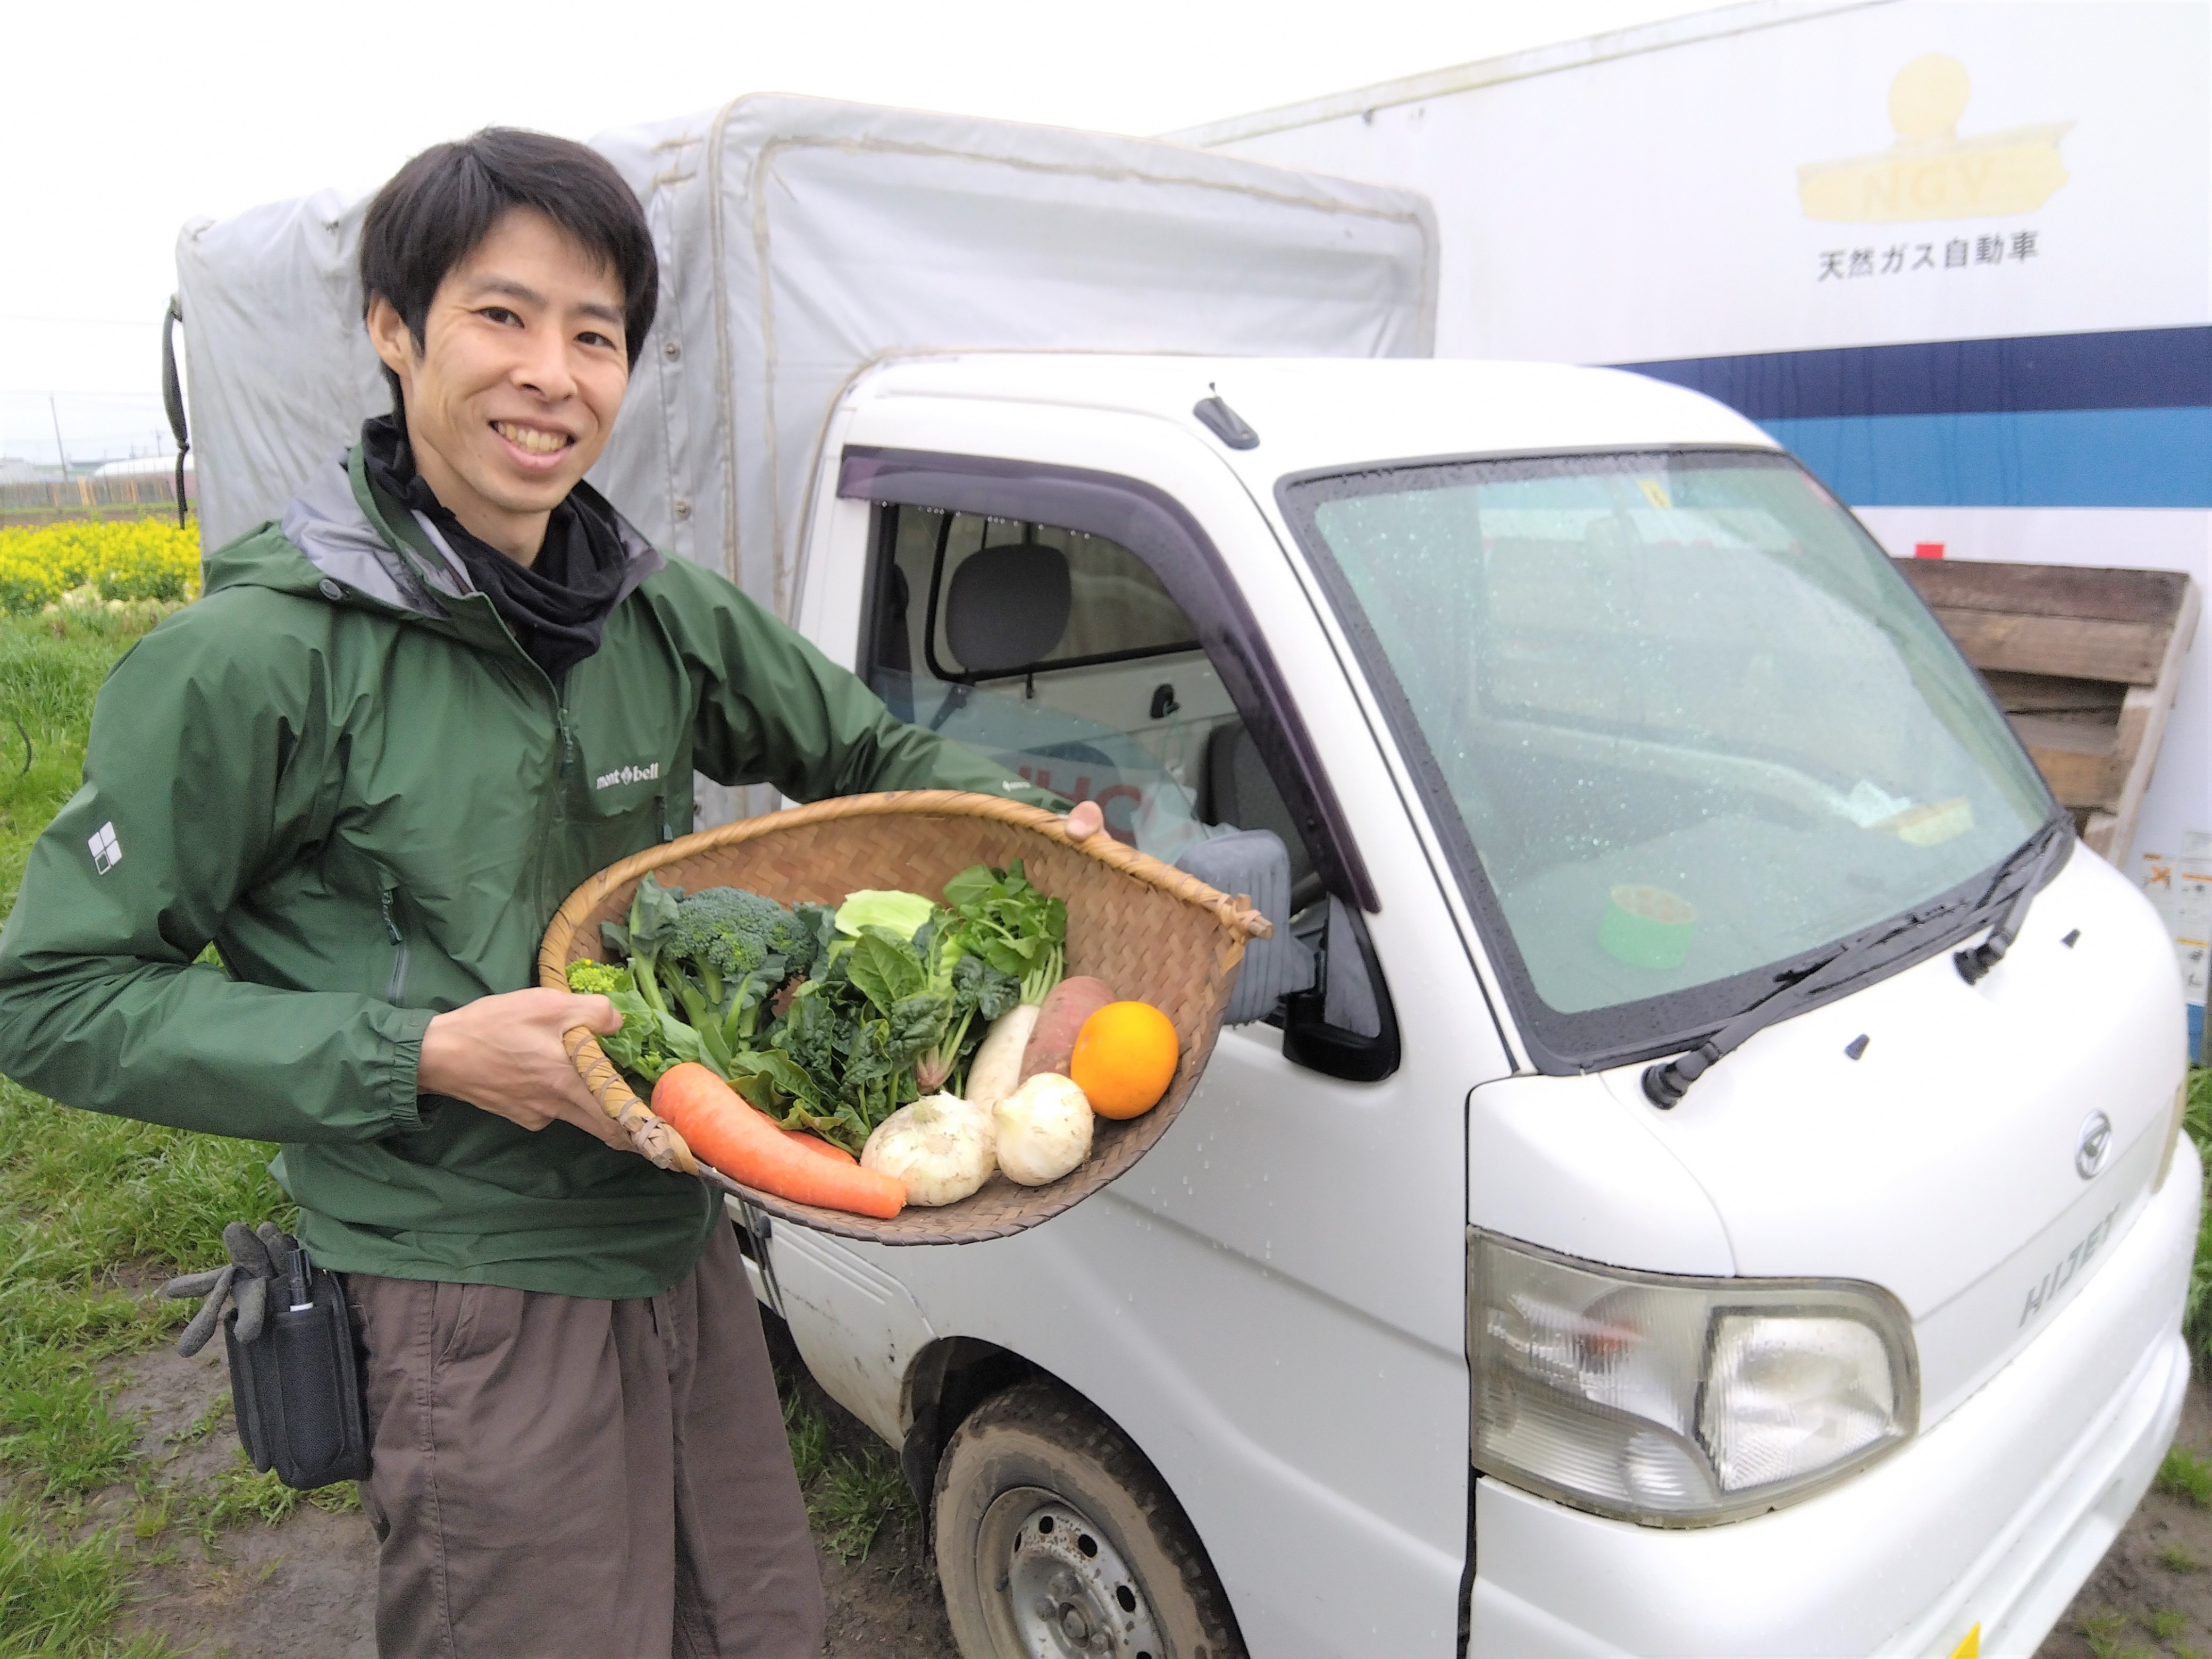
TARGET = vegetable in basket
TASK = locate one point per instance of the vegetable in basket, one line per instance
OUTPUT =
(745, 1145)
(831, 1021)
(1044, 1130)
(712, 960)
(1018, 932)
(941, 1146)
(651, 1040)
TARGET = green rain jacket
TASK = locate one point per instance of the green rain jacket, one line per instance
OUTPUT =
(340, 768)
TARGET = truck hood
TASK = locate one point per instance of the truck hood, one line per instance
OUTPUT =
(1942, 1163)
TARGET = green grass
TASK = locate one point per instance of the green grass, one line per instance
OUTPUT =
(2186, 1476)
(848, 1497)
(2196, 1320)
(92, 1210)
(2102, 1631)
(58, 1599)
(50, 669)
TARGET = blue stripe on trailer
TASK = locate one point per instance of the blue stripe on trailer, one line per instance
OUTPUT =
(2043, 458)
(2129, 368)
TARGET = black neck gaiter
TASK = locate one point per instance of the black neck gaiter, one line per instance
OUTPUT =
(556, 608)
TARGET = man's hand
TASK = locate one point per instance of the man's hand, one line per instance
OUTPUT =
(1085, 820)
(503, 1053)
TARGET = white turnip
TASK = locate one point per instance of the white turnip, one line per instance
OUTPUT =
(941, 1146)
(1044, 1129)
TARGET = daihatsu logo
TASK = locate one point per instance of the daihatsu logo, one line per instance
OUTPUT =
(2093, 1147)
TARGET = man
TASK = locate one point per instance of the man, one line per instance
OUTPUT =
(404, 722)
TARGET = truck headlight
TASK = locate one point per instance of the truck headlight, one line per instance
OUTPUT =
(1680, 1401)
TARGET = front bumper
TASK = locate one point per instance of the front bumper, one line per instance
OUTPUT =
(1993, 1517)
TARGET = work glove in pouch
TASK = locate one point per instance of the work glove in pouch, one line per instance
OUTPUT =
(289, 1336)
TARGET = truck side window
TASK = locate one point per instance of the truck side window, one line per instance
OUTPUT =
(1060, 654)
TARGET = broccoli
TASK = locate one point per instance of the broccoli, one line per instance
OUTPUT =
(589, 978)
(733, 932)
(730, 950)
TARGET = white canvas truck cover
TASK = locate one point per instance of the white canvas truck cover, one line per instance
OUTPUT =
(801, 240)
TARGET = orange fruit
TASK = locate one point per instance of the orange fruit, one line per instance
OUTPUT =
(1125, 1057)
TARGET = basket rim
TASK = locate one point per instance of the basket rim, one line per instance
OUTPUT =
(656, 1140)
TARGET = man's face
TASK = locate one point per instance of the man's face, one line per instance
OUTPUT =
(520, 374)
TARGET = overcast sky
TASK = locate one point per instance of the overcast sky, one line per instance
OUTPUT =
(122, 121)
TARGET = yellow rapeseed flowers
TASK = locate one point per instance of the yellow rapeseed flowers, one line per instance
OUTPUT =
(142, 559)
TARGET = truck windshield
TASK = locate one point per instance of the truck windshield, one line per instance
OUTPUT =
(1679, 722)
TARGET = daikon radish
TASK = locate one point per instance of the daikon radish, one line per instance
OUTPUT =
(996, 1071)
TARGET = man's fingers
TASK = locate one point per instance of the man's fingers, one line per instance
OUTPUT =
(597, 1013)
(1086, 820)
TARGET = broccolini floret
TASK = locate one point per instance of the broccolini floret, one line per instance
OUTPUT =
(589, 978)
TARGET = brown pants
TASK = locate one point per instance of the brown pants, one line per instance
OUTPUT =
(561, 1478)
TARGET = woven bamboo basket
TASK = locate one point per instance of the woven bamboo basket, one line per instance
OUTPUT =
(1148, 930)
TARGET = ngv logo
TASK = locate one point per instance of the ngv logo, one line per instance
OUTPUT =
(627, 774)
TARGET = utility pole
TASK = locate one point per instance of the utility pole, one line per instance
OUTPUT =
(58, 450)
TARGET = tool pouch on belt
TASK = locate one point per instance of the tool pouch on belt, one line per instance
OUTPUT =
(289, 1336)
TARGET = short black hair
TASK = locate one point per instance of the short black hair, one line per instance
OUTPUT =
(436, 211)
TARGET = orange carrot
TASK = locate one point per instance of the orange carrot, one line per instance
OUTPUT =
(748, 1145)
(819, 1147)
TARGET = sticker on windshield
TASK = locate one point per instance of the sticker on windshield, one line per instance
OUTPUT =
(1655, 493)
(1937, 822)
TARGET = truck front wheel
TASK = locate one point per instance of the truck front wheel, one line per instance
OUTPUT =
(1056, 1538)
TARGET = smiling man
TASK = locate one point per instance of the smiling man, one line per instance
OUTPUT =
(405, 721)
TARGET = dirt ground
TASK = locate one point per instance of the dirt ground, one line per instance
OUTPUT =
(2151, 1595)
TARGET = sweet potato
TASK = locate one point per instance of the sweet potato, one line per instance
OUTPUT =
(1066, 1006)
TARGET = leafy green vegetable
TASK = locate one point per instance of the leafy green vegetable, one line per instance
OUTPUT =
(970, 986)
(886, 969)
(650, 1040)
(828, 1020)
(903, 914)
(1017, 930)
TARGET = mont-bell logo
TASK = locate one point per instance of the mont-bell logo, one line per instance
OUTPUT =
(107, 851)
(627, 774)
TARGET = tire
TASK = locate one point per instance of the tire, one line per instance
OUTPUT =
(1056, 1538)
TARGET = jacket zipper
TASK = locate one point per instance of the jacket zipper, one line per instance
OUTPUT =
(556, 814)
(660, 813)
(396, 985)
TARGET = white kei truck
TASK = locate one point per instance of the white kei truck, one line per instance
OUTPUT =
(1700, 1171)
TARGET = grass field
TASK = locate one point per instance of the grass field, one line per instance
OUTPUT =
(95, 1212)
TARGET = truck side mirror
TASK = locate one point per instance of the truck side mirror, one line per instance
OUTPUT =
(1343, 1026)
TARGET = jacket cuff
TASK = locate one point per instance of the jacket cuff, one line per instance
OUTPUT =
(401, 1063)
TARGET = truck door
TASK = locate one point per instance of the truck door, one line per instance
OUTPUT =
(1272, 1304)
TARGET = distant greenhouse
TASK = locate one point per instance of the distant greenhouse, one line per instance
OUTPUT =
(35, 493)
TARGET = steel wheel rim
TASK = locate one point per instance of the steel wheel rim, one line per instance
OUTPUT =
(1054, 1587)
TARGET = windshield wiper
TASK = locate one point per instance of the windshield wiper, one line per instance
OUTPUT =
(1665, 1085)
(2045, 852)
